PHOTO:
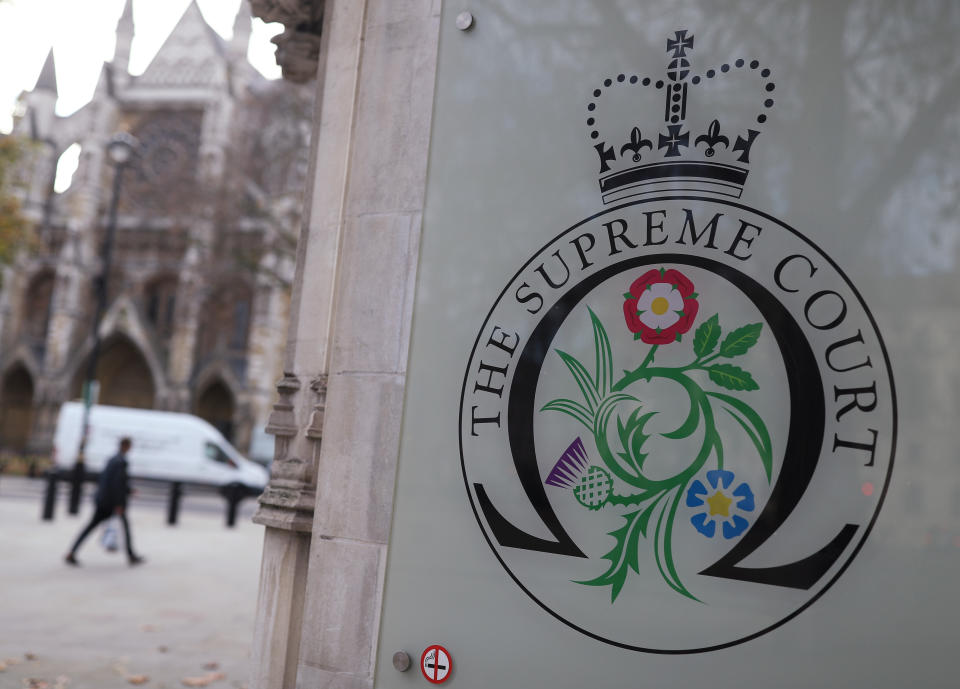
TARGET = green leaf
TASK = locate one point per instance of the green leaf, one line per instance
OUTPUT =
(707, 336)
(582, 377)
(632, 438)
(604, 356)
(740, 340)
(571, 408)
(663, 546)
(644, 521)
(624, 556)
(731, 377)
(601, 420)
(754, 426)
(637, 442)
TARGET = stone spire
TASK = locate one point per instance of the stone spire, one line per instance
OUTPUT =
(42, 101)
(242, 27)
(192, 55)
(48, 76)
(121, 56)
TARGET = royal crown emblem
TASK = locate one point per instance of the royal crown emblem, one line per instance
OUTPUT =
(705, 154)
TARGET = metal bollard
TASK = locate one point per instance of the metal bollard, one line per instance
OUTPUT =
(173, 506)
(76, 488)
(50, 496)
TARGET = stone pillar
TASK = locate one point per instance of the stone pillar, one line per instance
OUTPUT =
(286, 506)
(347, 348)
(72, 291)
(13, 286)
(267, 337)
(183, 340)
(80, 262)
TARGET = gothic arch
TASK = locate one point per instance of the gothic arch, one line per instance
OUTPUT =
(16, 407)
(122, 320)
(24, 357)
(125, 376)
(217, 404)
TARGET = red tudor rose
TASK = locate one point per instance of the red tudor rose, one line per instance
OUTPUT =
(661, 306)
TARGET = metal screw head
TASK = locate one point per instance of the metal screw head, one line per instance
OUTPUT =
(401, 661)
(464, 21)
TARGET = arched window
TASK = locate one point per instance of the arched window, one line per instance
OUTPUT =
(225, 323)
(36, 308)
(159, 304)
(67, 165)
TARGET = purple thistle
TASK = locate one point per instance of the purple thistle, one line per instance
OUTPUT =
(569, 467)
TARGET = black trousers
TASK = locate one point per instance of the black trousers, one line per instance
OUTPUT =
(101, 515)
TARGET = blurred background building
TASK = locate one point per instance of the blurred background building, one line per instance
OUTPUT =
(208, 211)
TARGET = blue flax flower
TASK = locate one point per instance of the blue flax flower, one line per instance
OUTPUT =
(720, 504)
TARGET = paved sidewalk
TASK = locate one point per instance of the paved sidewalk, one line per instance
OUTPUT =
(95, 627)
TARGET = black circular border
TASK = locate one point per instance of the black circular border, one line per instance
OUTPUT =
(883, 492)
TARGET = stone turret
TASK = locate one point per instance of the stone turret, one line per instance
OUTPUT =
(42, 101)
(121, 56)
(242, 28)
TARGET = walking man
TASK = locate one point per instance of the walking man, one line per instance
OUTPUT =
(111, 499)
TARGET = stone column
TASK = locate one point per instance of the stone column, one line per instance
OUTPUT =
(267, 337)
(286, 506)
(183, 340)
(69, 321)
(349, 333)
(13, 287)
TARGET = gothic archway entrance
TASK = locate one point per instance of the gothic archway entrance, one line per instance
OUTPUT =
(124, 376)
(216, 405)
(16, 409)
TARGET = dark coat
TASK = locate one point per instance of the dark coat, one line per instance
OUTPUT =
(113, 486)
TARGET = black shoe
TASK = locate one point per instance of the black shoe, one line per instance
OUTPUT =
(71, 560)
(136, 560)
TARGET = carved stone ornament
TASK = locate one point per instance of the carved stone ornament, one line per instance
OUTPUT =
(287, 503)
(298, 47)
(319, 388)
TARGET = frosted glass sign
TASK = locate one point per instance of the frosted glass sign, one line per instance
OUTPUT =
(651, 416)
(665, 411)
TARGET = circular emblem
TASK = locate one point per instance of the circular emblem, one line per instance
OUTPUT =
(677, 425)
(436, 664)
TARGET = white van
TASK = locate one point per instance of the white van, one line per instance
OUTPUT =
(166, 446)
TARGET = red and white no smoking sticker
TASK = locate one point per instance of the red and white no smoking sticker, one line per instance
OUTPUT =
(435, 664)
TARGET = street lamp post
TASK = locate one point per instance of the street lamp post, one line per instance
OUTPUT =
(120, 150)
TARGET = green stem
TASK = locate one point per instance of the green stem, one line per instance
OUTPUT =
(635, 499)
(697, 397)
(649, 359)
(664, 540)
(700, 363)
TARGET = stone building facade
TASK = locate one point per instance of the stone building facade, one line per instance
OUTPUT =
(208, 212)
